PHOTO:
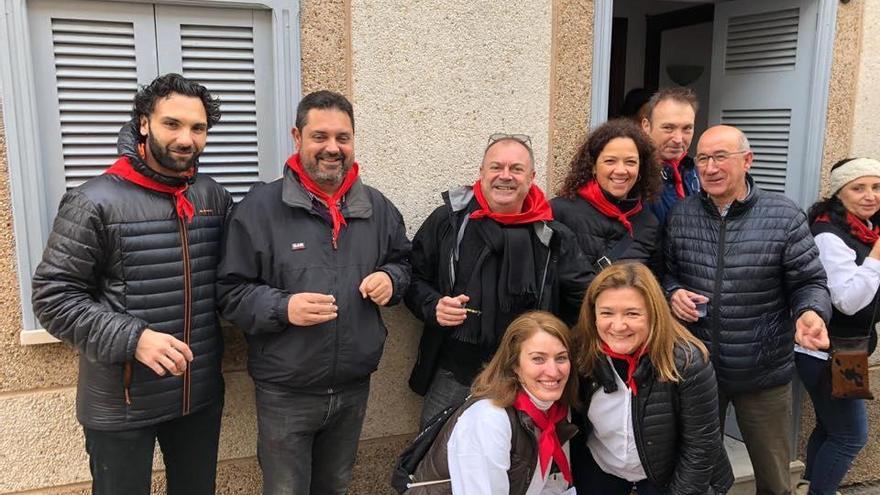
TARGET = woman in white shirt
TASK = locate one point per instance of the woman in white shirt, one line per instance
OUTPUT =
(650, 400)
(511, 436)
(846, 232)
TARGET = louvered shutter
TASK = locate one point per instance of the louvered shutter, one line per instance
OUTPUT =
(761, 73)
(227, 51)
(89, 59)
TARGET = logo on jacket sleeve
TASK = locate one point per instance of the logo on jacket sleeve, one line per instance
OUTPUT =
(298, 246)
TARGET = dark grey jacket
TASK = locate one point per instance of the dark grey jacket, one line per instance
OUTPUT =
(119, 260)
(276, 245)
(760, 269)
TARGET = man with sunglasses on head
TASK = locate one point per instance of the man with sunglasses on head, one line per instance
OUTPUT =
(748, 255)
(489, 253)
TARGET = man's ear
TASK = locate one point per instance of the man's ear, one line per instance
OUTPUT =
(646, 125)
(297, 138)
(144, 126)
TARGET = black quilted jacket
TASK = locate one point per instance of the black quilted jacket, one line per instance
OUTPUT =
(676, 425)
(598, 234)
(760, 269)
(118, 261)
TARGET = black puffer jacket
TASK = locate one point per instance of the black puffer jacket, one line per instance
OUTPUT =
(760, 269)
(276, 245)
(598, 234)
(676, 425)
(118, 261)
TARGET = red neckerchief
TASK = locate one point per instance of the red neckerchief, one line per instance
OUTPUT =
(123, 168)
(675, 165)
(535, 208)
(857, 227)
(632, 362)
(332, 202)
(548, 442)
(594, 195)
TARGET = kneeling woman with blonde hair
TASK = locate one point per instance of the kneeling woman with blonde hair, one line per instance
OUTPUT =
(650, 398)
(512, 435)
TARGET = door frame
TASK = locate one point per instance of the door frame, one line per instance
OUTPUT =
(603, 13)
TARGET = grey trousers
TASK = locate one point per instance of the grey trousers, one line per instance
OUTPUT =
(764, 418)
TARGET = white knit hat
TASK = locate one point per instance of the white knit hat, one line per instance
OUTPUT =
(852, 170)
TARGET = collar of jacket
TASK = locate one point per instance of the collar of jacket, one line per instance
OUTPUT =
(127, 145)
(565, 429)
(294, 195)
(738, 207)
(604, 373)
(458, 199)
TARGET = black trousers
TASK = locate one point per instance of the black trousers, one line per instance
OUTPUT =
(122, 461)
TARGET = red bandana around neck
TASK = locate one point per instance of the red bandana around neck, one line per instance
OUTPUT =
(593, 194)
(548, 442)
(632, 362)
(535, 208)
(332, 201)
(182, 205)
(675, 165)
(857, 228)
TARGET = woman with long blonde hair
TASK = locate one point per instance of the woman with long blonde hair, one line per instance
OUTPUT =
(650, 401)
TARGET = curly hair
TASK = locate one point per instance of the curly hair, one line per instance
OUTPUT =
(162, 86)
(583, 164)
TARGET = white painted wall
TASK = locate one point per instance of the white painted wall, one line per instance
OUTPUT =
(866, 124)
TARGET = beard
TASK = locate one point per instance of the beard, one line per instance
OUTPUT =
(166, 159)
(333, 177)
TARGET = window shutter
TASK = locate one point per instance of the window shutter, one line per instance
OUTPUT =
(222, 59)
(768, 133)
(760, 42)
(96, 77)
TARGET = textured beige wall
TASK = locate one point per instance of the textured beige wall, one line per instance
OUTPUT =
(866, 125)
(845, 70)
(570, 78)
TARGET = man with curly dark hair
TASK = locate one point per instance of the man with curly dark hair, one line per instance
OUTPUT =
(491, 252)
(127, 279)
(604, 197)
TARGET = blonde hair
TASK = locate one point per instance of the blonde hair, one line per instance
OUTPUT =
(664, 330)
(499, 382)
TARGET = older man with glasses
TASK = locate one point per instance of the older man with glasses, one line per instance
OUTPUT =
(489, 253)
(748, 255)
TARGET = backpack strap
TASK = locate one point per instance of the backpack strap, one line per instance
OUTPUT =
(616, 252)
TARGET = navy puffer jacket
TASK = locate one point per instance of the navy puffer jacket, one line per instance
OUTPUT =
(760, 269)
(119, 260)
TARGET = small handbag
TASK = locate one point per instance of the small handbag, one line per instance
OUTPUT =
(849, 366)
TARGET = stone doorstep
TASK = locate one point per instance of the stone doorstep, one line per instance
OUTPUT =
(742, 468)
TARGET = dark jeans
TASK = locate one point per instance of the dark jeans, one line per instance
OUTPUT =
(444, 391)
(764, 418)
(841, 428)
(122, 461)
(589, 477)
(307, 443)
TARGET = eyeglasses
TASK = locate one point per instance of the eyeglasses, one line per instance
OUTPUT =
(523, 139)
(720, 157)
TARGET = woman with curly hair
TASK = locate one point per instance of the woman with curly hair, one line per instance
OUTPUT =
(603, 199)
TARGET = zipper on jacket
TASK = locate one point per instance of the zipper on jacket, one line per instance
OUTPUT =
(716, 294)
(126, 382)
(187, 311)
(641, 448)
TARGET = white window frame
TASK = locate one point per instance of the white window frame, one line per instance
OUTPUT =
(30, 206)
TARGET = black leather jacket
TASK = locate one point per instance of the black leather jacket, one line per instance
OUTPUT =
(118, 261)
(676, 425)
